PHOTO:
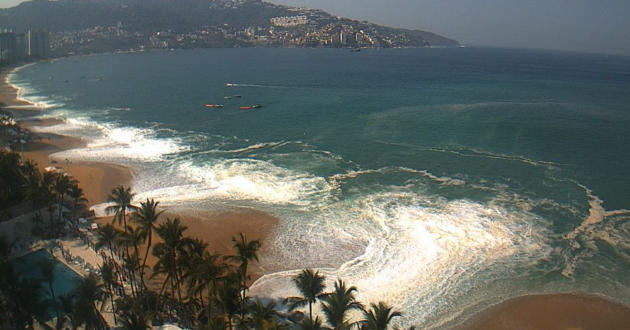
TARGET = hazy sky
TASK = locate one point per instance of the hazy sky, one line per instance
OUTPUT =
(581, 25)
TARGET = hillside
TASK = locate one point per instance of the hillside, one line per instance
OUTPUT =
(96, 25)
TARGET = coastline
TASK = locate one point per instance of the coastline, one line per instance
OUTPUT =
(93, 177)
(218, 228)
(97, 180)
(552, 311)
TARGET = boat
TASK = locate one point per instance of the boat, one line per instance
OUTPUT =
(210, 106)
(227, 97)
(355, 50)
(229, 85)
(248, 107)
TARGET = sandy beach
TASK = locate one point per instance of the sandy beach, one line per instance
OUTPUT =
(560, 311)
(217, 229)
(553, 312)
(98, 179)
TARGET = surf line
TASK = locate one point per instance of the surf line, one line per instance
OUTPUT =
(596, 215)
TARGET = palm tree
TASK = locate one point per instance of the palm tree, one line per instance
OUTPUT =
(205, 273)
(131, 265)
(245, 252)
(135, 320)
(67, 306)
(23, 296)
(195, 248)
(217, 323)
(146, 217)
(228, 296)
(33, 185)
(11, 179)
(60, 323)
(88, 293)
(121, 199)
(169, 251)
(47, 267)
(62, 186)
(274, 324)
(109, 278)
(133, 237)
(47, 194)
(337, 304)
(311, 286)
(260, 312)
(133, 314)
(107, 236)
(310, 324)
(78, 199)
(190, 265)
(378, 317)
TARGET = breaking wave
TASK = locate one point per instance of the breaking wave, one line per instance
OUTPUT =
(111, 143)
(417, 252)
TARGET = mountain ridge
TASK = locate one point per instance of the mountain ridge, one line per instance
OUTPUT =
(200, 23)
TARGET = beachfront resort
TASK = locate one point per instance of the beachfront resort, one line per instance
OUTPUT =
(61, 269)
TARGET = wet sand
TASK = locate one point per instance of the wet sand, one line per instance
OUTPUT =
(216, 229)
(8, 94)
(98, 179)
(554, 312)
(559, 311)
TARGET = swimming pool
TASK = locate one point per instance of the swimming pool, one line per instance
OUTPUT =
(65, 280)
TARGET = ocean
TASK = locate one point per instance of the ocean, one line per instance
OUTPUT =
(441, 181)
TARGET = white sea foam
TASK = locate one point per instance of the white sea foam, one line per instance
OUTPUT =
(111, 143)
(243, 179)
(470, 152)
(119, 109)
(258, 86)
(600, 224)
(99, 209)
(417, 249)
(26, 93)
(444, 180)
(252, 147)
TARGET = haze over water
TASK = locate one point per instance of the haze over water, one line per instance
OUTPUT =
(438, 180)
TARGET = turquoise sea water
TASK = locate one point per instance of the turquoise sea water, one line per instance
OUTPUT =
(439, 180)
(66, 280)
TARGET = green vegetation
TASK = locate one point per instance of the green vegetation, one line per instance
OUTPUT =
(187, 284)
(23, 186)
(15, 178)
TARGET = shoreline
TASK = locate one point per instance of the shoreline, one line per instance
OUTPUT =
(571, 311)
(98, 179)
(217, 228)
(91, 175)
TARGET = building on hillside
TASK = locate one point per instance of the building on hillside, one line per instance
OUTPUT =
(289, 21)
(8, 47)
(20, 46)
(37, 43)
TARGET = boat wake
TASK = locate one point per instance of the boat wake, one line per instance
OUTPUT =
(259, 86)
